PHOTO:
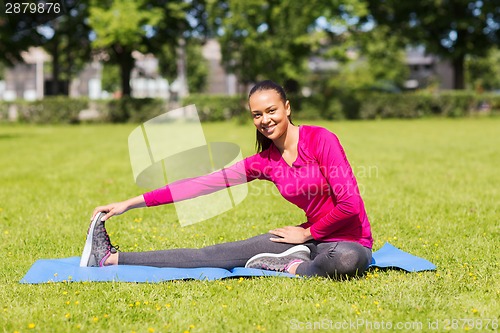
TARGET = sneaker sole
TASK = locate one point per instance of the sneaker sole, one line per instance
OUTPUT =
(298, 248)
(87, 250)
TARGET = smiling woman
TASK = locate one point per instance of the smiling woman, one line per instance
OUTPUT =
(309, 168)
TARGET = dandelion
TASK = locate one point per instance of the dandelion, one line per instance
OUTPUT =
(137, 303)
(474, 310)
(151, 330)
(224, 306)
(77, 302)
(317, 305)
(95, 319)
(191, 326)
(229, 287)
(106, 315)
(31, 326)
(67, 315)
(168, 305)
(375, 302)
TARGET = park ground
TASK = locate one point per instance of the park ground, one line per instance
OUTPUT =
(431, 187)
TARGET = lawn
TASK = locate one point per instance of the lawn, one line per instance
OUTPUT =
(431, 188)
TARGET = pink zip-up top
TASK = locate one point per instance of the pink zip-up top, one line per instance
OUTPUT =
(320, 182)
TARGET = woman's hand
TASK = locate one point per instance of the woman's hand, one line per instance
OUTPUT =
(118, 208)
(291, 235)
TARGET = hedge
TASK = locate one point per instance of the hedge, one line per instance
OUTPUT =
(343, 105)
(217, 107)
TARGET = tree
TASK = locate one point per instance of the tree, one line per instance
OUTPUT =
(67, 40)
(272, 39)
(483, 73)
(452, 29)
(196, 65)
(121, 27)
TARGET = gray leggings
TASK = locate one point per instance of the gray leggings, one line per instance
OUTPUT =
(332, 259)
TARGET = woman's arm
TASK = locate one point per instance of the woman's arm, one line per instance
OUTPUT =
(239, 173)
(344, 188)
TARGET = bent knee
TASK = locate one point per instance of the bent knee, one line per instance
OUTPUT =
(348, 260)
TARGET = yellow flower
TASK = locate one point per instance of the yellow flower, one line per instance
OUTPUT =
(95, 319)
(137, 303)
(151, 330)
(31, 325)
(67, 315)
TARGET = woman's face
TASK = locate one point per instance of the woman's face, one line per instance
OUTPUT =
(270, 114)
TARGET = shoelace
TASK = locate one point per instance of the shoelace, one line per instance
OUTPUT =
(112, 248)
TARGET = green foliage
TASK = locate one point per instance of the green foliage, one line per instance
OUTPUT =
(451, 29)
(133, 110)
(4, 111)
(483, 73)
(110, 77)
(269, 39)
(123, 22)
(196, 66)
(217, 108)
(51, 110)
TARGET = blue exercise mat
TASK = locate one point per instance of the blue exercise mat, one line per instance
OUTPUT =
(68, 269)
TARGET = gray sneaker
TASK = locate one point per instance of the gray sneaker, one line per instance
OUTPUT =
(280, 262)
(97, 246)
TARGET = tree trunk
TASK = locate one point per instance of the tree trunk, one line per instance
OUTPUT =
(54, 87)
(126, 63)
(458, 72)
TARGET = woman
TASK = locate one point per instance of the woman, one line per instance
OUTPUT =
(309, 167)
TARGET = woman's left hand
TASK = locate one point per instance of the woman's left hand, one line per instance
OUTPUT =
(291, 235)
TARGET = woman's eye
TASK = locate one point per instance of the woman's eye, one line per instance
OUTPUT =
(256, 115)
(272, 111)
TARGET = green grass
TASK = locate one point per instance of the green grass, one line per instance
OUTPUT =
(431, 187)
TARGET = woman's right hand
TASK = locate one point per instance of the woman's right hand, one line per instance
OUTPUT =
(111, 209)
(118, 208)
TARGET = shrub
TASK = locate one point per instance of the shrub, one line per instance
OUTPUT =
(4, 111)
(51, 110)
(134, 110)
(217, 107)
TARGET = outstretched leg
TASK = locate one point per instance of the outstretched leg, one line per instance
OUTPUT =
(224, 255)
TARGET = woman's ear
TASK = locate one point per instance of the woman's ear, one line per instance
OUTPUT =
(288, 109)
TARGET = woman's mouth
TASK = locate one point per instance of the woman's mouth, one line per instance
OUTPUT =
(268, 129)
